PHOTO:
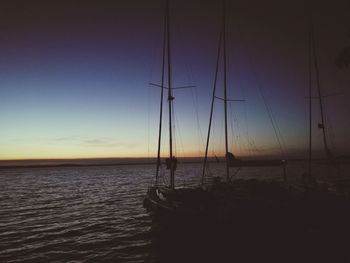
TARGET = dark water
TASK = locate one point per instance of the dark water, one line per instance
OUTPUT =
(74, 214)
(84, 214)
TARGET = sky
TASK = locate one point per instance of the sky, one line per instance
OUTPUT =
(74, 77)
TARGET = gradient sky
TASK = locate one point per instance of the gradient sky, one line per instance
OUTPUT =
(74, 76)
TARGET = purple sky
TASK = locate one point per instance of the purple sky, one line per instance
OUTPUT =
(74, 76)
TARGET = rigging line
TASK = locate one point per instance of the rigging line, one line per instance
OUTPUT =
(272, 119)
(331, 132)
(161, 98)
(215, 142)
(233, 116)
(177, 28)
(148, 123)
(231, 126)
(221, 143)
(175, 132)
(274, 124)
(270, 113)
(194, 93)
(234, 136)
(178, 132)
(275, 127)
(235, 119)
(154, 53)
(200, 137)
(227, 95)
(321, 103)
(151, 71)
(219, 98)
(310, 88)
(212, 104)
(249, 150)
(174, 88)
(189, 71)
(280, 137)
(239, 141)
(225, 86)
(191, 79)
(170, 97)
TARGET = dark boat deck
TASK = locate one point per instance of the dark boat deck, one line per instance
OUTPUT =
(257, 221)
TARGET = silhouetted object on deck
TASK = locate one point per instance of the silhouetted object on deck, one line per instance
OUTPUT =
(171, 163)
(230, 157)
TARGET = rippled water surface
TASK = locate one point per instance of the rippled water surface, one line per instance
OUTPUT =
(84, 214)
(80, 214)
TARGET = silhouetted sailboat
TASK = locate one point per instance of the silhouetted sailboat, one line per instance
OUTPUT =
(244, 215)
(230, 159)
(309, 181)
(335, 183)
(168, 198)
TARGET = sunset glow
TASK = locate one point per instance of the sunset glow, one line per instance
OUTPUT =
(74, 81)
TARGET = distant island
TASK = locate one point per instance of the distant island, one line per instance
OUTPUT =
(42, 163)
(46, 163)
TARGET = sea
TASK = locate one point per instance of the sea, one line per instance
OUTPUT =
(92, 213)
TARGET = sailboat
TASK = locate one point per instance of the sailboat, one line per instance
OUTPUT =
(308, 180)
(230, 159)
(168, 198)
(333, 184)
(230, 221)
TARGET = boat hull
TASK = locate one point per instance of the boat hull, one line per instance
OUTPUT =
(185, 201)
(154, 204)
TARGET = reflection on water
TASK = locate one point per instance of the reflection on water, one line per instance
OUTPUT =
(84, 214)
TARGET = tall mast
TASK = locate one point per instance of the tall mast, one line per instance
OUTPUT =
(161, 99)
(212, 107)
(310, 88)
(320, 98)
(225, 88)
(170, 98)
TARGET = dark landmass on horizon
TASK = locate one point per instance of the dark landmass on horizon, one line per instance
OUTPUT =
(86, 162)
